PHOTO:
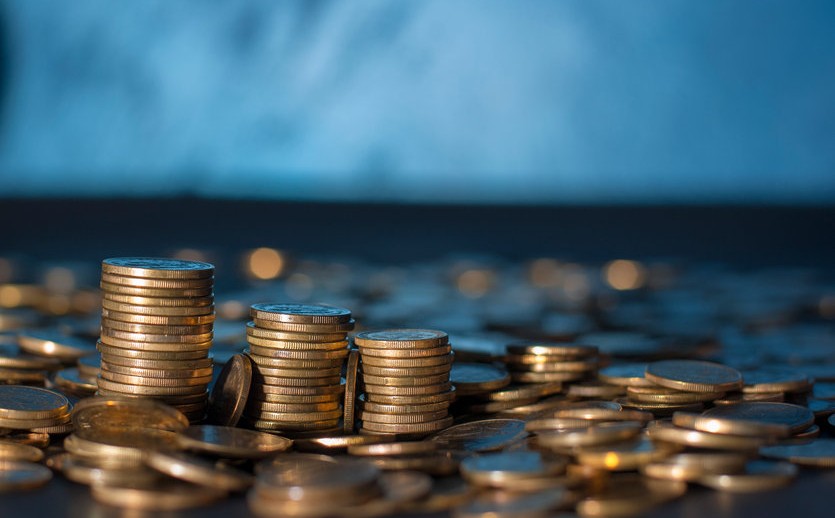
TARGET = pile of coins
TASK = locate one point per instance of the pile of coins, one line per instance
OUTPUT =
(405, 380)
(297, 351)
(551, 363)
(156, 331)
(33, 409)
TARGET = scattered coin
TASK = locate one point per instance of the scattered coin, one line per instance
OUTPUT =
(18, 475)
(481, 436)
(759, 475)
(230, 442)
(819, 453)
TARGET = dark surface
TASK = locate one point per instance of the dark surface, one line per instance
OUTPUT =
(88, 230)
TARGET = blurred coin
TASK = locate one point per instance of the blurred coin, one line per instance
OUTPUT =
(510, 505)
(145, 340)
(481, 436)
(16, 475)
(419, 390)
(406, 381)
(476, 378)
(350, 400)
(666, 432)
(752, 418)
(759, 475)
(773, 379)
(339, 443)
(669, 396)
(55, 345)
(393, 449)
(601, 433)
(92, 413)
(498, 469)
(13, 451)
(523, 392)
(161, 496)
(630, 495)
(689, 467)
(819, 453)
(625, 375)
(71, 380)
(198, 471)
(155, 329)
(404, 372)
(554, 350)
(694, 376)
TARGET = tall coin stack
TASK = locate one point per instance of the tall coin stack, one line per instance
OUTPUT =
(297, 351)
(156, 331)
(405, 375)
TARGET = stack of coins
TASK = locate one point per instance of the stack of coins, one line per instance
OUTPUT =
(405, 375)
(156, 331)
(33, 408)
(549, 363)
(297, 352)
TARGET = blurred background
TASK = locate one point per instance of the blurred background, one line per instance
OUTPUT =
(545, 102)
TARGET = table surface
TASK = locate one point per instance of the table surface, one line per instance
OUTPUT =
(87, 230)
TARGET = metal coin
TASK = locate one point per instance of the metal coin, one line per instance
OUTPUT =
(55, 345)
(185, 372)
(759, 475)
(128, 327)
(157, 284)
(229, 395)
(406, 363)
(507, 505)
(296, 346)
(419, 390)
(93, 413)
(403, 418)
(24, 402)
(381, 408)
(141, 381)
(630, 495)
(669, 396)
(626, 456)
(349, 405)
(309, 373)
(415, 371)
(290, 427)
(28, 362)
(143, 354)
(554, 350)
(198, 471)
(141, 363)
(163, 496)
(775, 380)
(300, 313)
(12, 451)
(134, 291)
(157, 268)
(411, 428)
(752, 418)
(481, 436)
(407, 353)
(689, 467)
(418, 399)
(301, 355)
(497, 469)
(669, 433)
(71, 381)
(401, 339)
(601, 433)
(694, 376)
(819, 453)
(392, 449)
(625, 375)
(339, 443)
(546, 377)
(288, 336)
(343, 327)
(254, 406)
(476, 378)
(410, 381)
(313, 391)
(160, 311)
(16, 475)
(158, 302)
(140, 340)
(296, 382)
(523, 392)
(595, 389)
(439, 464)
(127, 388)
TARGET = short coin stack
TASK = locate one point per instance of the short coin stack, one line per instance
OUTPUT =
(156, 331)
(297, 352)
(550, 363)
(405, 375)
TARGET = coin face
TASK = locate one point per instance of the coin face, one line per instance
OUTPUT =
(694, 375)
(231, 391)
(94, 413)
(300, 313)
(157, 267)
(23, 402)
(481, 436)
(402, 338)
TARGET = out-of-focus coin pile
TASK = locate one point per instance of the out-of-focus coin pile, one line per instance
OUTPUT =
(568, 390)
(298, 351)
(157, 319)
(405, 381)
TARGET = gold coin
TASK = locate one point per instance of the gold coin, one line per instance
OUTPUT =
(554, 351)
(416, 399)
(669, 396)
(158, 302)
(407, 363)
(129, 327)
(300, 313)
(156, 373)
(401, 339)
(125, 388)
(143, 354)
(267, 361)
(492, 407)
(305, 328)
(418, 390)
(694, 376)
(306, 477)
(159, 320)
(163, 496)
(202, 363)
(296, 346)
(660, 409)
(269, 372)
(315, 391)
(157, 284)
(27, 362)
(392, 382)
(296, 399)
(24, 402)
(38, 440)
(546, 377)
(626, 456)
(595, 389)
(172, 400)
(338, 443)
(481, 436)
(407, 353)
(21, 377)
(758, 476)
(410, 418)
(755, 417)
(55, 345)
(819, 453)
(231, 391)
(297, 382)
(254, 407)
(669, 433)
(750, 423)
(198, 471)
(230, 442)
(16, 475)
(162, 311)
(625, 375)
(416, 428)
(477, 378)
(392, 449)
(289, 427)
(630, 495)
(526, 360)
(284, 336)
(301, 355)
(773, 379)
(380, 408)
(350, 399)
(71, 380)
(140, 339)
(738, 397)
(599, 433)
(141, 381)
(439, 464)
(119, 412)
(295, 417)
(503, 468)
(174, 293)
(523, 392)
(416, 371)
(157, 268)
(36, 425)
(689, 467)
(12, 451)
(89, 472)
(569, 367)
(118, 446)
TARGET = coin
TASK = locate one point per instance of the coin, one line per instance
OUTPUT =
(775, 380)
(819, 453)
(270, 344)
(127, 388)
(144, 354)
(689, 467)
(403, 418)
(410, 428)
(625, 375)
(669, 396)
(601, 433)
(438, 464)
(198, 471)
(313, 391)
(381, 408)
(351, 374)
(158, 302)
(415, 371)
(308, 373)
(476, 378)
(254, 405)
(143, 340)
(508, 505)
(553, 350)
(759, 475)
(498, 469)
(157, 284)
(12, 451)
(55, 345)
(16, 475)
(405, 363)
(93, 413)
(88, 472)
(141, 381)
(523, 392)
(625, 456)
(401, 339)
(229, 395)
(342, 327)
(291, 427)
(157, 268)
(405, 381)
(185, 372)
(300, 313)
(754, 418)
(666, 432)
(24, 402)
(419, 390)
(630, 495)
(25, 361)
(281, 336)
(481, 436)
(162, 496)
(694, 376)
(158, 329)
(300, 477)
(385, 449)
(407, 353)
(159, 311)
(339, 442)
(71, 381)
(141, 363)
(134, 291)
(402, 399)
(289, 354)
(595, 389)
(545, 377)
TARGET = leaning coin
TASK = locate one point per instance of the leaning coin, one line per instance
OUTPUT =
(759, 475)
(481, 436)
(228, 397)
(198, 471)
(350, 400)
(16, 475)
(694, 376)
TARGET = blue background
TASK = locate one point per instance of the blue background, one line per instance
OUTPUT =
(586, 101)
